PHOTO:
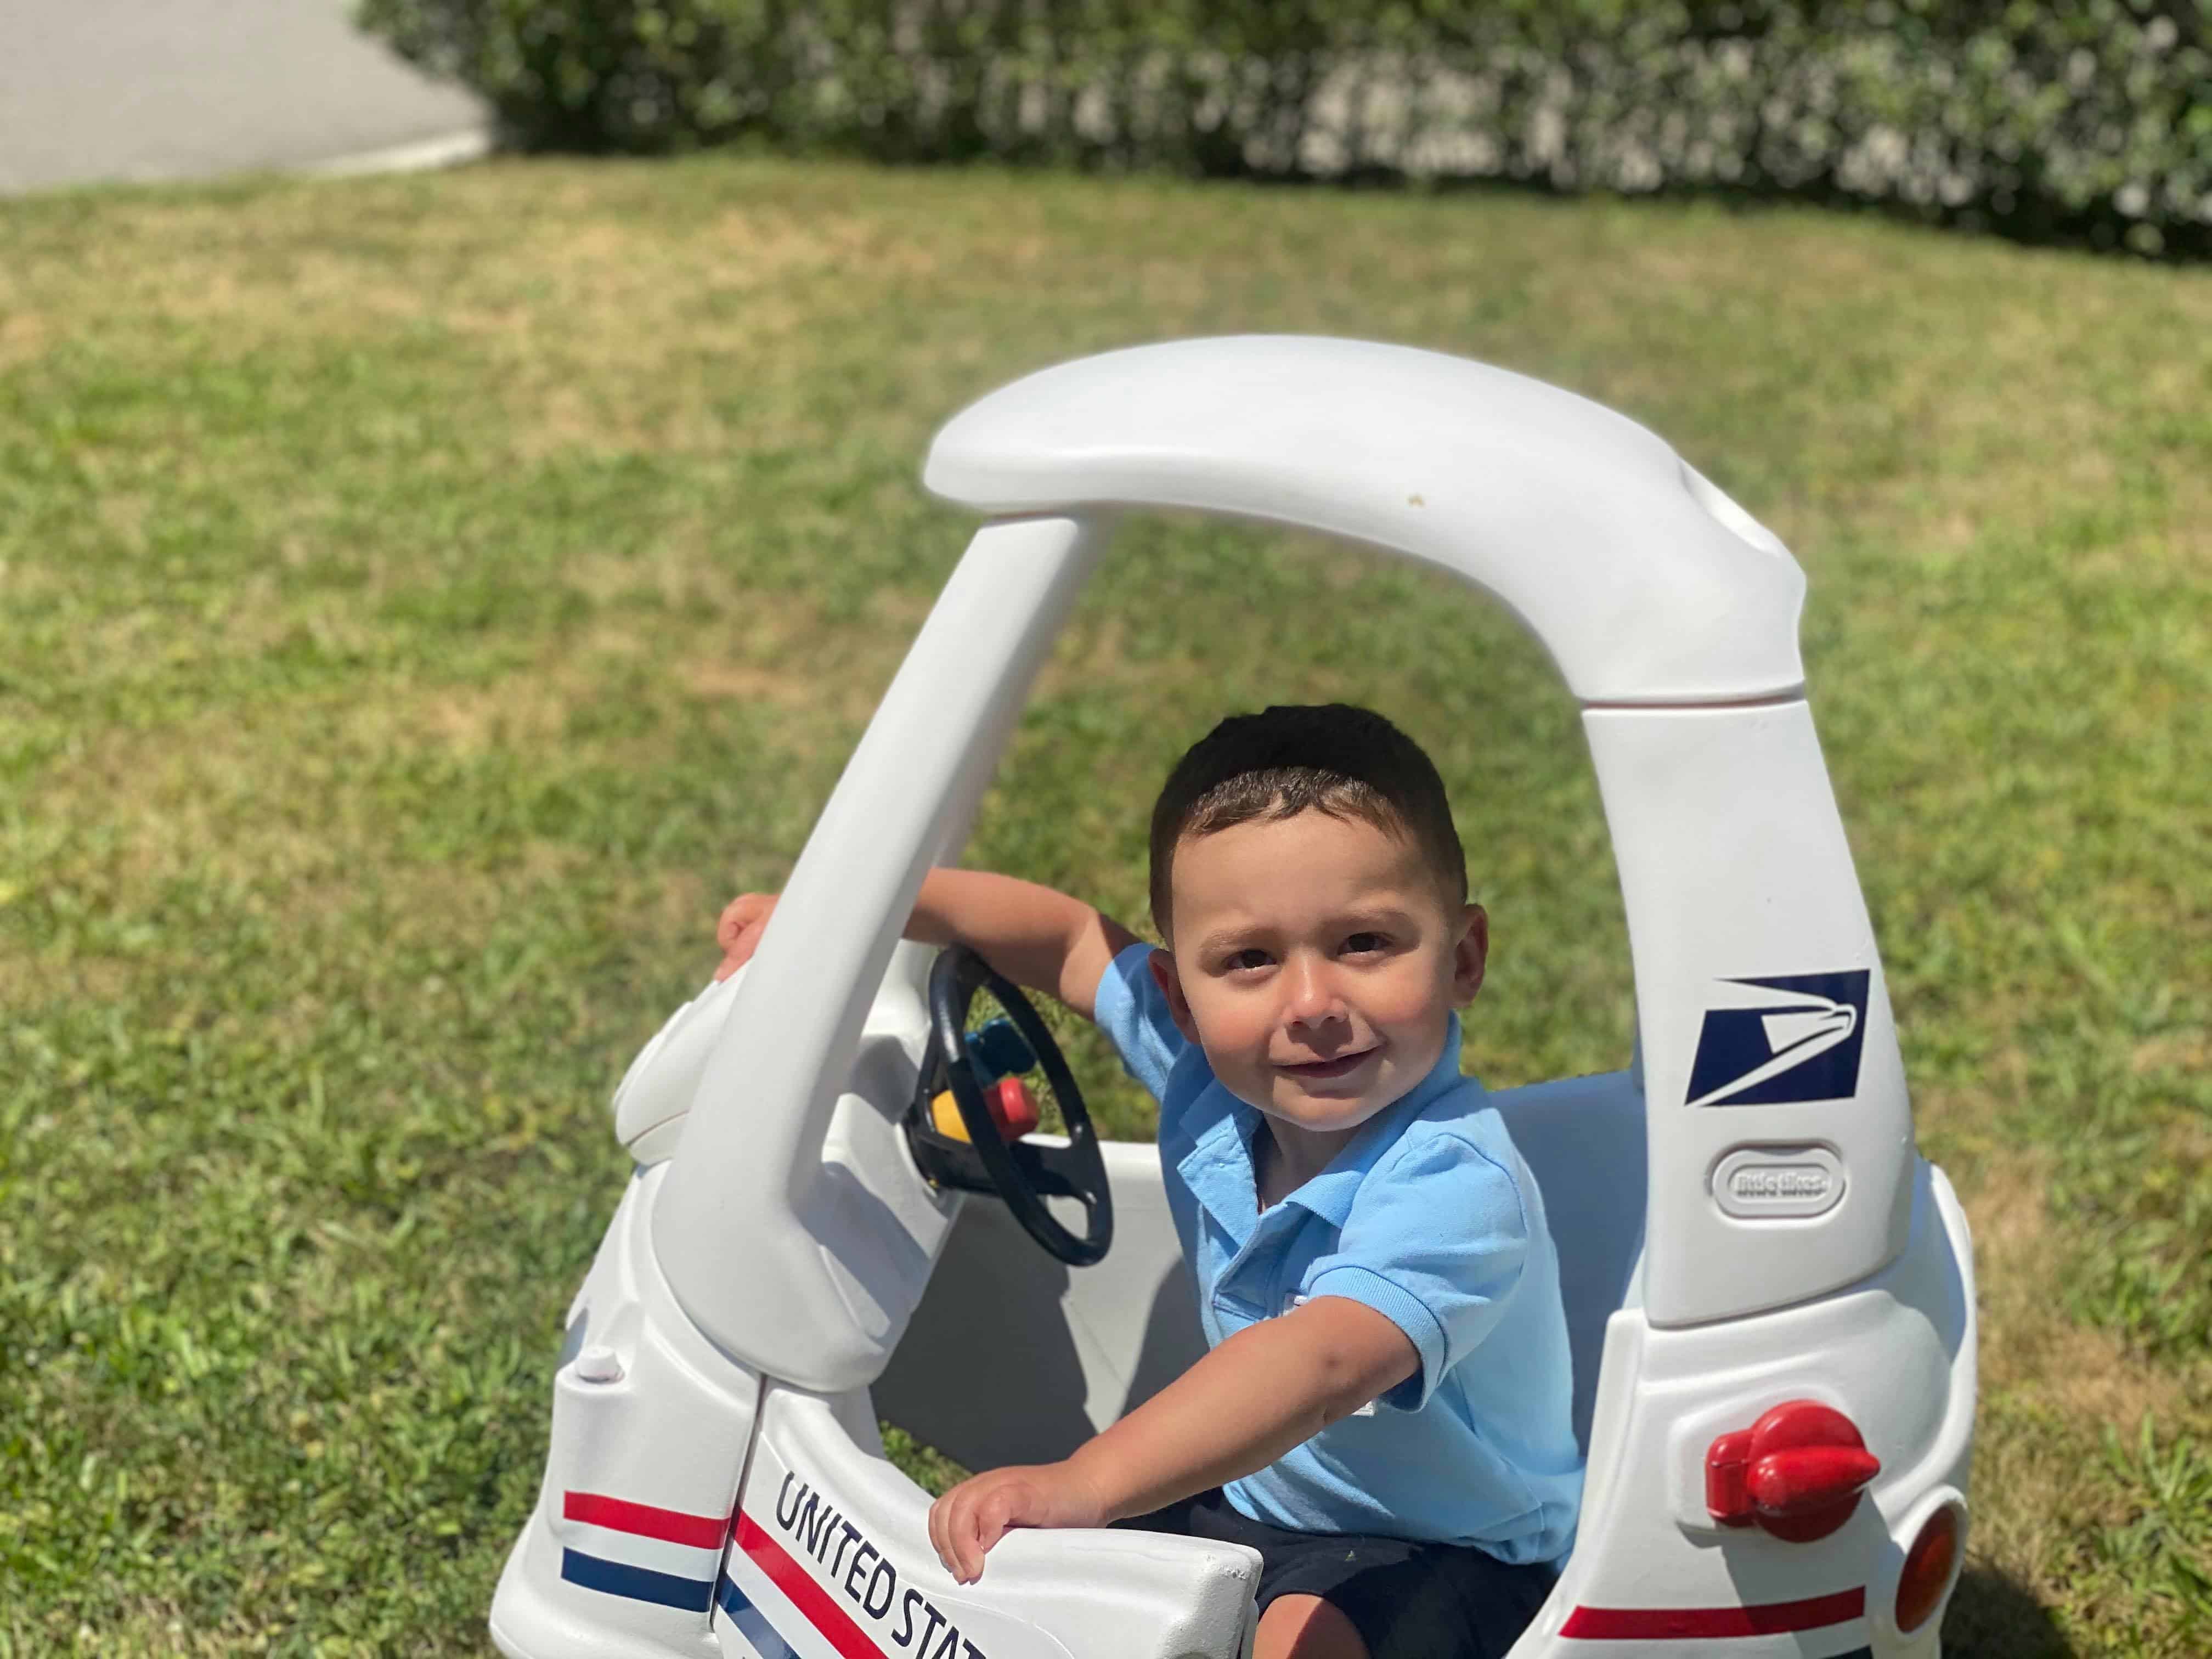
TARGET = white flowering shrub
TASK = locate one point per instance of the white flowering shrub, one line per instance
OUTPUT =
(2082, 119)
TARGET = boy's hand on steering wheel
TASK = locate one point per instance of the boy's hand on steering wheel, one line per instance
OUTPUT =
(975, 1514)
(738, 932)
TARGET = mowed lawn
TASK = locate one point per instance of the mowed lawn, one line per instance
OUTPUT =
(423, 601)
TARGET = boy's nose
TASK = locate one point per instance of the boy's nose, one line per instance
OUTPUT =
(1313, 995)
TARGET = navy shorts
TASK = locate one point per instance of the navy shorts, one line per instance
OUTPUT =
(1408, 1600)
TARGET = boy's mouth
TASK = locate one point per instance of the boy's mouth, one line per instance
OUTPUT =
(1321, 1069)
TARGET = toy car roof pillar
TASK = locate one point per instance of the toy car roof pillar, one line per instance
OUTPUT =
(1780, 1134)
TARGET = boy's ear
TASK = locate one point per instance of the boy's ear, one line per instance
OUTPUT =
(1164, 976)
(1470, 953)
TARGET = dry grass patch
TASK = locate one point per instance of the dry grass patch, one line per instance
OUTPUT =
(2031, 1350)
(2050, 1390)
(717, 678)
(23, 336)
(596, 334)
(327, 261)
(269, 794)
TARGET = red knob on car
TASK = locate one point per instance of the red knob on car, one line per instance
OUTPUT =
(1797, 1472)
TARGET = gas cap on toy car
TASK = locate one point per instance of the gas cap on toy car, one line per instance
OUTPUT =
(1796, 1473)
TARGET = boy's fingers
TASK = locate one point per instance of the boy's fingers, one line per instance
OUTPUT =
(975, 1537)
(968, 1519)
(744, 912)
(739, 930)
(949, 1520)
(991, 1525)
(936, 1535)
(738, 953)
(944, 1532)
(994, 1517)
(732, 921)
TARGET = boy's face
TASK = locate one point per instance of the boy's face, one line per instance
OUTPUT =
(1316, 962)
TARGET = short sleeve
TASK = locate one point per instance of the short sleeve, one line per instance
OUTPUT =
(1132, 1010)
(1434, 1243)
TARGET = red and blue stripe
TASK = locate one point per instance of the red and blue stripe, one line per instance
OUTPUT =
(640, 1550)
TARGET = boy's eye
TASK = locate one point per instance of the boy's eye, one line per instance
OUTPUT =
(1362, 945)
(1244, 961)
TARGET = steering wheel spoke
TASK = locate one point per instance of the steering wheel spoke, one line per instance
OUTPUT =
(1058, 1171)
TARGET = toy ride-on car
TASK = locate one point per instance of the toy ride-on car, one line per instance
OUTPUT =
(1770, 1293)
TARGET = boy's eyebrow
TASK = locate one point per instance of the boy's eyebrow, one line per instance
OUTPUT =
(1381, 914)
(1222, 938)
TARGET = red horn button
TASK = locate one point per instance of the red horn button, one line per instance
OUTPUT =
(1797, 1472)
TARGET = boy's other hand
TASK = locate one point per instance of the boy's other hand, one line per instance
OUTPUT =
(975, 1514)
(738, 932)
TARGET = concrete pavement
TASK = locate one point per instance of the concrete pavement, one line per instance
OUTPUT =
(144, 89)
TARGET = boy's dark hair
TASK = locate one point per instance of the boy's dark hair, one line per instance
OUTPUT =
(1331, 757)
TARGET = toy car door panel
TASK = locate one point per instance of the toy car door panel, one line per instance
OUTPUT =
(830, 1557)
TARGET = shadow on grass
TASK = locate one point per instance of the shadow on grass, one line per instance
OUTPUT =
(1992, 1617)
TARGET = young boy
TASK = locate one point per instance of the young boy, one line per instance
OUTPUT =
(1383, 1410)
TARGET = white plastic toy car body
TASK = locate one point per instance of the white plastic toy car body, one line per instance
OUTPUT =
(1742, 1220)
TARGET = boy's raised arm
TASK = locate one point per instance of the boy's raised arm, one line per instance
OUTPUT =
(1038, 937)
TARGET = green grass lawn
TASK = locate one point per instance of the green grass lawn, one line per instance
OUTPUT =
(424, 600)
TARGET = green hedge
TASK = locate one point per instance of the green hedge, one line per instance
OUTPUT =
(2075, 118)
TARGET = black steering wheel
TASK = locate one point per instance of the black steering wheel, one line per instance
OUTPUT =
(1022, 1172)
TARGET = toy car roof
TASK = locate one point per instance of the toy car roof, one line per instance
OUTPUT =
(1645, 581)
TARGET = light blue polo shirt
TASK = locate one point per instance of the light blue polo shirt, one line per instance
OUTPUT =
(1429, 1218)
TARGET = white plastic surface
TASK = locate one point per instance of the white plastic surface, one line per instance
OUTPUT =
(658, 1089)
(1734, 867)
(1068, 1350)
(1645, 583)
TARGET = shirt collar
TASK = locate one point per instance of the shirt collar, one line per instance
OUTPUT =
(1218, 1168)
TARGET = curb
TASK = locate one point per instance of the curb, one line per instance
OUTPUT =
(419, 155)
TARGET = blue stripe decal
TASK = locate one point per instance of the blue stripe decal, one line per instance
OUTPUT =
(752, 1624)
(638, 1583)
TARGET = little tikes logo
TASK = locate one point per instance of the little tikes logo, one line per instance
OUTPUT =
(1775, 1041)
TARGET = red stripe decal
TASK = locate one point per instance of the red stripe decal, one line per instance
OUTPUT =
(808, 1596)
(1675, 1624)
(701, 1532)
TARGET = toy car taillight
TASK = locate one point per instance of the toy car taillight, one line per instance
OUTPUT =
(1928, 1569)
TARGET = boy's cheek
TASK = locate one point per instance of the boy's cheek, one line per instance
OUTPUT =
(1225, 1031)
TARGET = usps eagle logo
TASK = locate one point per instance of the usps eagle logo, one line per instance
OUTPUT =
(1775, 1041)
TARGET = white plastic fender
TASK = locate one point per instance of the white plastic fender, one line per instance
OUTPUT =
(1644, 581)
(1895, 1353)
